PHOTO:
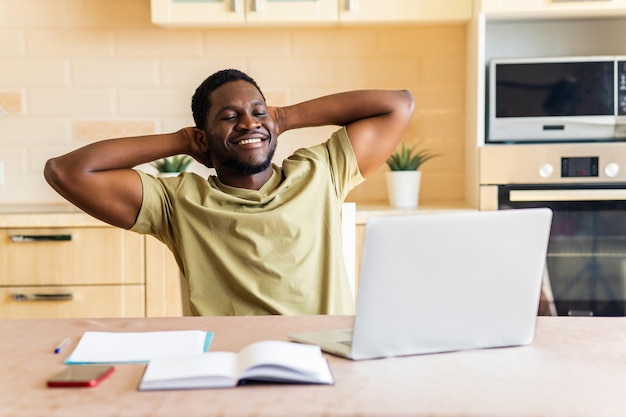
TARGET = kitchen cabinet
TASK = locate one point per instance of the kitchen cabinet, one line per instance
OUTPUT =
(376, 11)
(70, 271)
(229, 12)
(525, 9)
(207, 13)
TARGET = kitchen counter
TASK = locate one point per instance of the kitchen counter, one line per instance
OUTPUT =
(56, 215)
(365, 211)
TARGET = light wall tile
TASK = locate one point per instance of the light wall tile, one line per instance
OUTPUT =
(114, 72)
(388, 73)
(292, 72)
(160, 43)
(191, 72)
(33, 73)
(441, 186)
(33, 130)
(149, 102)
(74, 43)
(14, 159)
(11, 43)
(423, 40)
(23, 14)
(442, 70)
(322, 43)
(95, 130)
(439, 98)
(75, 102)
(28, 189)
(247, 43)
(174, 124)
(11, 102)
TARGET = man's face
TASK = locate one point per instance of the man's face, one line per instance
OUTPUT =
(240, 131)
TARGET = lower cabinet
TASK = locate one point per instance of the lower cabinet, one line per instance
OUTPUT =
(75, 301)
(82, 268)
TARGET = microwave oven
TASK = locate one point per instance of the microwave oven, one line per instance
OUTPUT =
(557, 99)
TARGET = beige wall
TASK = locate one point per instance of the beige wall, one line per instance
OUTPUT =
(75, 71)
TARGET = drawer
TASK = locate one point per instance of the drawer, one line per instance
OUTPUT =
(71, 256)
(78, 301)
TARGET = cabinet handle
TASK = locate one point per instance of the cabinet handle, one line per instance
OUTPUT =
(41, 238)
(43, 297)
(254, 7)
(350, 5)
(233, 5)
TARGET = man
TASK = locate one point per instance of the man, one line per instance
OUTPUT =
(257, 238)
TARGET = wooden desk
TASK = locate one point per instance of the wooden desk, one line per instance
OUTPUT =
(575, 367)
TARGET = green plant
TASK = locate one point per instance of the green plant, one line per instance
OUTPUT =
(408, 159)
(177, 163)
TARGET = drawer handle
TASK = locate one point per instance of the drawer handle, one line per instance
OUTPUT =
(43, 297)
(41, 238)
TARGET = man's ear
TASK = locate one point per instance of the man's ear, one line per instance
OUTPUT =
(199, 136)
(201, 141)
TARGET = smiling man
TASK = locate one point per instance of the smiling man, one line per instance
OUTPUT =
(257, 238)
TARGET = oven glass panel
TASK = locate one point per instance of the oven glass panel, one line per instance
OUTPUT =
(586, 253)
(554, 89)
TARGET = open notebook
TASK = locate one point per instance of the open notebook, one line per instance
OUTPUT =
(445, 282)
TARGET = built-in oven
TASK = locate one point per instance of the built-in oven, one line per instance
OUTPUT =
(585, 186)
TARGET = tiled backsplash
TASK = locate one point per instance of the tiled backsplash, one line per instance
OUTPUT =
(76, 71)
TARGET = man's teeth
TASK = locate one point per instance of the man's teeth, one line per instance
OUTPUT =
(246, 141)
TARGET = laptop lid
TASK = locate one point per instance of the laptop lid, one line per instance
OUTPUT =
(449, 281)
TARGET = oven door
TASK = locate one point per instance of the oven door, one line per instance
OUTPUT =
(586, 258)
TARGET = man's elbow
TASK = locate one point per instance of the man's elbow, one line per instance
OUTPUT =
(53, 173)
(408, 103)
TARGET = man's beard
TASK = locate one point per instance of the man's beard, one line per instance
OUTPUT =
(241, 168)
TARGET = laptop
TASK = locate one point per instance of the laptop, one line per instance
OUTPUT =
(445, 282)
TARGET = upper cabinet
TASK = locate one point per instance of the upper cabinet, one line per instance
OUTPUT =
(206, 13)
(404, 11)
(537, 9)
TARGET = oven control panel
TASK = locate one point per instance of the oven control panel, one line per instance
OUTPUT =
(586, 163)
(579, 167)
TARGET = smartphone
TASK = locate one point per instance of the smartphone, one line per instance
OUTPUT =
(81, 376)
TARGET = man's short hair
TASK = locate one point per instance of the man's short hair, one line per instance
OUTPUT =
(200, 102)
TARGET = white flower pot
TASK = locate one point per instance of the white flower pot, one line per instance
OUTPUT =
(403, 188)
(168, 174)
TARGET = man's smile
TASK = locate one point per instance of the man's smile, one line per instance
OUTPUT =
(251, 140)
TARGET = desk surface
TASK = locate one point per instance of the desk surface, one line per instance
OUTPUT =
(575, 367)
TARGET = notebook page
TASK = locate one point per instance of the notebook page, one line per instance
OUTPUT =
(120, 347)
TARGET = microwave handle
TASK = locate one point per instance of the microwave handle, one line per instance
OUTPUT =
(567, 195)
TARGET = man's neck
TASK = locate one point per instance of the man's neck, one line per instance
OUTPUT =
(250, 182)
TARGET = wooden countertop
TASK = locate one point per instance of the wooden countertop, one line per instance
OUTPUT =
(58, 215)
(575, 367)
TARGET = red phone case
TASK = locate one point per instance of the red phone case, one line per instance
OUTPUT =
(81, 376)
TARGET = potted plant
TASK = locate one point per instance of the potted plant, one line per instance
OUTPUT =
(172, 166)
(403, 181)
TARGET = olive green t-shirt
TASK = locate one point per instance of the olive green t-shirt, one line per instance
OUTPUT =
(276, 250)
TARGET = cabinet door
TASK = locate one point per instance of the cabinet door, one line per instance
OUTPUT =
(70, 256)
(72, 301)
(288, 11)
(404, 10)
(197, 12)
(551, 8)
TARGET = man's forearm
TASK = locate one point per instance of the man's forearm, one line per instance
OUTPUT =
(341, 109)
(125, 152)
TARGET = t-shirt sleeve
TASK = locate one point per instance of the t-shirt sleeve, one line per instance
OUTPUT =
(342, 162)
(155, 213)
